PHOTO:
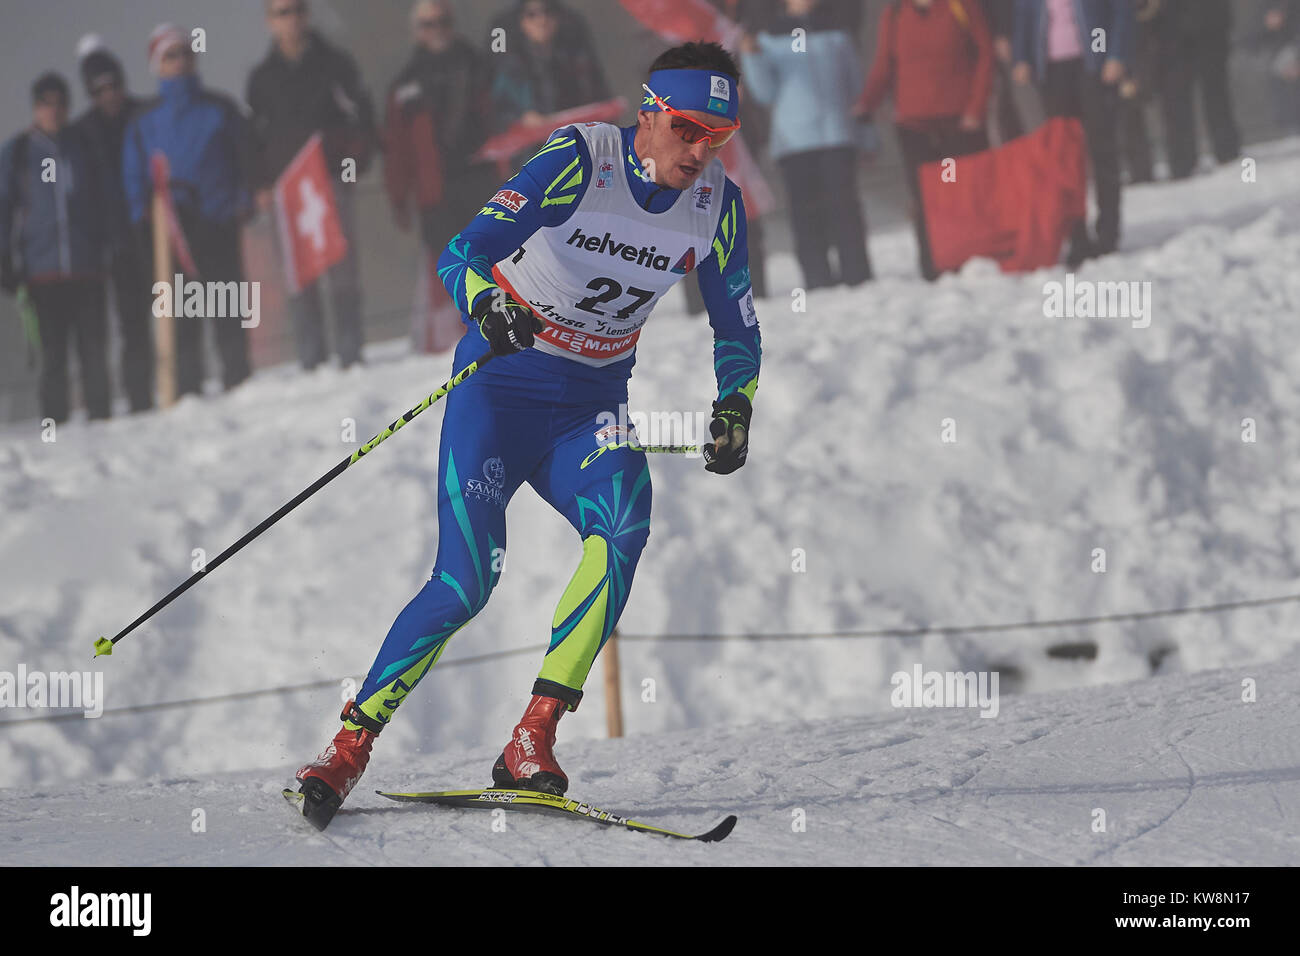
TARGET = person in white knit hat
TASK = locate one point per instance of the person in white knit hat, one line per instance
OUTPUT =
(205, 139)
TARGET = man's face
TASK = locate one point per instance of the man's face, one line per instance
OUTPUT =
(108, 94)
(175, 61)
(50, 113)
(672, 161)
(434, 28)
(287, 20)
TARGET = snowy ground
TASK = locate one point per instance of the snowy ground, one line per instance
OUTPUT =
(1072, 435)
(1184, 772)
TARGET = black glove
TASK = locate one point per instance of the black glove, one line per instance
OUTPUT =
(508, 326)
(730, 431)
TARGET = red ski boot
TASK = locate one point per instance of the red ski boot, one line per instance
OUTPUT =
(328, 779)
(528, 762)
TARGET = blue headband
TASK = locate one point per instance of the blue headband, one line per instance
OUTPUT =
(702, 90)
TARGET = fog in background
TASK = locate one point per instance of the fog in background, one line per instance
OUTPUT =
(42, 36)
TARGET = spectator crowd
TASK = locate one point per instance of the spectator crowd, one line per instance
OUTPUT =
(952, 71)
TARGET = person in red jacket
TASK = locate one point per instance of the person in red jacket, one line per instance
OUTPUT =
(935, 57)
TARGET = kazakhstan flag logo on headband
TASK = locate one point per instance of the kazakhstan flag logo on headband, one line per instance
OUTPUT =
(719, 94)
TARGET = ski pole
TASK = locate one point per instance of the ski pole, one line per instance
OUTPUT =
(105, 646)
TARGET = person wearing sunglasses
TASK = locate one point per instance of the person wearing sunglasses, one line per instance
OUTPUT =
(306, 85)
(437, 113)
(557, 275)
(204, 136)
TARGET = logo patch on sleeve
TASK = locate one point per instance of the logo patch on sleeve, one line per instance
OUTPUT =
(747, 313)
(510, 199)
(738, 282)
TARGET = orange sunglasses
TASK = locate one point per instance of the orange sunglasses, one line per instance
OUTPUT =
(692, 130)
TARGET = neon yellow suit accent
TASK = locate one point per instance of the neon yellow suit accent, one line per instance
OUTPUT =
(579, 628)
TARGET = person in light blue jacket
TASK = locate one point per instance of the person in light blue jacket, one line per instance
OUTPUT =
(810, 80)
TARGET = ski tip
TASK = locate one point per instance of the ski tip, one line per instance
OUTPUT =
(720, 832)
(103, 646)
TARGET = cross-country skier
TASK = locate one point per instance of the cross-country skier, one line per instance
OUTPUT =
(559, 271)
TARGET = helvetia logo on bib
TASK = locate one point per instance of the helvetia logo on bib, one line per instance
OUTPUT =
(649, 258)
(686, 263)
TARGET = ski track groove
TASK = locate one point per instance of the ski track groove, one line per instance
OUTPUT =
(997, 839)
(1145, 831)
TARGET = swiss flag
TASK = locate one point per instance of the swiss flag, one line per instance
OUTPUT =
(311, 236)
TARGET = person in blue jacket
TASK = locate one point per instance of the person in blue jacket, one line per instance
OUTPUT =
(207, 143)
(52, 240)
(815, 140)
(1078, 51)
(557, 275)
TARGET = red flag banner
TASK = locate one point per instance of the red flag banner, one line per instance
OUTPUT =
(160, 171)
(679, 21)
(1015, 204)
(505, 144)
(311, 235)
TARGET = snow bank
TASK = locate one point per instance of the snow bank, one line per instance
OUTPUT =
(1072, 434)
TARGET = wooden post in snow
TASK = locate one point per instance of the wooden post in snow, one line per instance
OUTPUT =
(164, 329)
(613, 693)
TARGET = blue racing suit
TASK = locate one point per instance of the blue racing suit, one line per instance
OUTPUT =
(535, 417)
